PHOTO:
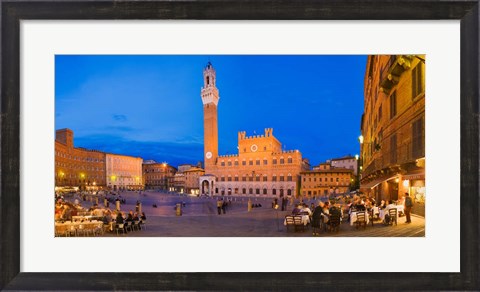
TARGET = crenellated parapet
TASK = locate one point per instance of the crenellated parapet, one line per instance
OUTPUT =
(242, 135)
(286, 152)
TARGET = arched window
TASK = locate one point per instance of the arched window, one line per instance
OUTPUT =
(289, 177)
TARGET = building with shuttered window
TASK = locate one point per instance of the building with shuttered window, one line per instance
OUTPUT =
(392, 159)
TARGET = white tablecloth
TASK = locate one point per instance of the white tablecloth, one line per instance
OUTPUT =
(381, 215)
(353, 217)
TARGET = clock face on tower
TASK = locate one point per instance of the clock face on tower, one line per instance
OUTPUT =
(208, 155)
(254, 148)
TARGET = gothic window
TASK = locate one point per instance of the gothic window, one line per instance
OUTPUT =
(236, 178)
(265, 177)
(229, 163)
(222, 163)
(257, 162)
(244, 162)
(274, 177)
(257, 178)
(244, 191)
(265, 162)
(282, 178)
(236, 162)
(282, 160)
(250, 162)
(257, 191)
(250, 191)
(290, 160)
(264, 191)
(274, 161)
(208, 80)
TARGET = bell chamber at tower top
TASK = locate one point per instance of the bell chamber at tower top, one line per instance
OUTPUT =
(209, 90)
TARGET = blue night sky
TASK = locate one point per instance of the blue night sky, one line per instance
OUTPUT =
(150, 106)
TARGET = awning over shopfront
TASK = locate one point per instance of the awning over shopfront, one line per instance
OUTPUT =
(417, 175)
(376, 182)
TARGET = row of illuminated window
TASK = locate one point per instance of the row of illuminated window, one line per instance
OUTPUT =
(62, 175)
(251, 191)
(326, 184)
(257, 162)
(155, 176)
(256, 178)
(85, 159)
(325, 179)
(156, 182)
(78, 167)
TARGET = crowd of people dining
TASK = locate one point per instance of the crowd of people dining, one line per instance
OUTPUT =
(323, 215)
(71, 217)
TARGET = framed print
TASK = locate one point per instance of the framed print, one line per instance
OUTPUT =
(109, 106)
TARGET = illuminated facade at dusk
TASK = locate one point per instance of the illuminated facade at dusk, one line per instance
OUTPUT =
(261, 167)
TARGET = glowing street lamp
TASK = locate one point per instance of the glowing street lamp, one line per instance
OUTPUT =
(356, 156)
(360, 139)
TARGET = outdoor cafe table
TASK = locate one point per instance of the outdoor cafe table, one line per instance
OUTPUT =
(89, 225)
(353, 217)
(382, 212)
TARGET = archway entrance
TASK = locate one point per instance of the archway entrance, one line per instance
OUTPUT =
(207, 184)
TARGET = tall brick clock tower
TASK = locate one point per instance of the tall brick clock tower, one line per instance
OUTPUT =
(210, 124)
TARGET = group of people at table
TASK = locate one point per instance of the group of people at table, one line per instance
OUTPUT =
(321, 215)
(76, 218)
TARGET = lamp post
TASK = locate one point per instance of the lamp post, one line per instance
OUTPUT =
(359, 162)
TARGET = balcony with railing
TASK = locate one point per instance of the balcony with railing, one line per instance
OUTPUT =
(403, 154)
(390, 73)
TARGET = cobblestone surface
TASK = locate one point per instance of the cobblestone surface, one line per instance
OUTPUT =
(200, 219)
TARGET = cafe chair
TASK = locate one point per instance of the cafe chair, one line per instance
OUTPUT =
(82, 229)
(361, 220)
(334, 222)
(129, 226)
(119, 227)
(143, 224)
(289, 221)
(298, 223)
(393, 216)
(72, 230)
(136, 225)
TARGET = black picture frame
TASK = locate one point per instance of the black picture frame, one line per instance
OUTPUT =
(12, 12)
